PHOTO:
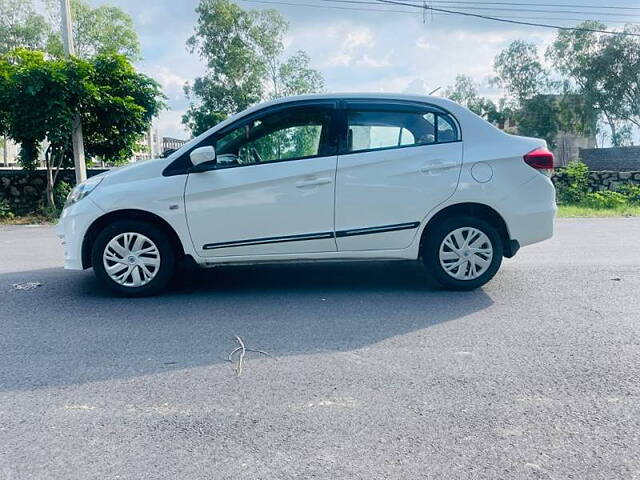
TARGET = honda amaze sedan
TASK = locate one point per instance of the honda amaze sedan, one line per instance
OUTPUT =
(322, 177)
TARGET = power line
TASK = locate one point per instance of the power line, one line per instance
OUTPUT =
(528, 4)
(517, 22)
(529, 17)
(493, 9)
(455, 3)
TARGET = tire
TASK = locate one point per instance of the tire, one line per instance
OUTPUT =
(118, 263)
(456, 267)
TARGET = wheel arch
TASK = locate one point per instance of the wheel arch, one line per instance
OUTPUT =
(128, 214)
(478, 210)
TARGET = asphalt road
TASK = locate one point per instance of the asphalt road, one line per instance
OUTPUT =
(375, 375)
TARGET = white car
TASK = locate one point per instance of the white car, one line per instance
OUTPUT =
(320, 177)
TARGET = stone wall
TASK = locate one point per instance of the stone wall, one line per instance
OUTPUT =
(612, 159)
(602, 180)
(24, 191)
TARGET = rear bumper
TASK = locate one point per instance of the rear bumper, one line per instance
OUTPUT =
(529, 212)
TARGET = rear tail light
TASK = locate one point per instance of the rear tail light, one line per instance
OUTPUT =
(540, 159)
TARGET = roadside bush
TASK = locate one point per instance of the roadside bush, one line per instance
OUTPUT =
(575, 186)
(5, 209)
(632, 192)
(60, 192)
(605, 199)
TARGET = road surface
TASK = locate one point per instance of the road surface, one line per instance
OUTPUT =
(376, 375)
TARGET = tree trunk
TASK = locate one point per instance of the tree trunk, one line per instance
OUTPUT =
(5, 151)
(50, 200)
(612, 126)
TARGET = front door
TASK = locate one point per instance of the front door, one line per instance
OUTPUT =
(397, 162)
(272, 188)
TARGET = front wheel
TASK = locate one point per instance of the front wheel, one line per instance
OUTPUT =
(462, 253)
(133, 258)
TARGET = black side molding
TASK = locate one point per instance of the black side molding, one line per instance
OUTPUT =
(382, 229)
(313, 236)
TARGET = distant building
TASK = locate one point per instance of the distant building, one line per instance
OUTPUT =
(170, 145)
(150, 146)
(10, 152)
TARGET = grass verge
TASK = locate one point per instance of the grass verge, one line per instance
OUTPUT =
(31, 219)
(569, 211)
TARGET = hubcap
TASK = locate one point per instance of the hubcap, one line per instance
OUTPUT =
(466, 253)
(131, 259)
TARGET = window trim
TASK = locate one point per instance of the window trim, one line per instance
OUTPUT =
(391, 106)
(182, 164)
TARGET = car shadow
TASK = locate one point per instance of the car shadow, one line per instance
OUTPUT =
(71, 331)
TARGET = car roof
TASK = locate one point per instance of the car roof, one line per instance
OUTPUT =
(358, 95)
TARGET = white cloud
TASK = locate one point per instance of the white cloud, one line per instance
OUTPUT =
(169, 124)
(169, 79)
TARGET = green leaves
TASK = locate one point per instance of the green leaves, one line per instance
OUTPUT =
(242, 50)
(39, 99)
(520, 71)
(603, 69)
(100, 30)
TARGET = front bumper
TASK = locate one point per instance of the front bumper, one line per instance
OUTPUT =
(72, 227)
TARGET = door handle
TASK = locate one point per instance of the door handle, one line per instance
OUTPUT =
(438, 164)
(313, 183)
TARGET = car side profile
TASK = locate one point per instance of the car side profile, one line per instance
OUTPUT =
(320, 177)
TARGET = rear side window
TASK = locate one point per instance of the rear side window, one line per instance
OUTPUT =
(376, 130)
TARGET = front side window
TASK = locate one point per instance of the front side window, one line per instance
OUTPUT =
(374, 130)
(294, 133)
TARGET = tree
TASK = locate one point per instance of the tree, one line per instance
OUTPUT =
(604, 70)
(242, 50)
(520, 71)
(296, 77)
(465, 92)
(101, 30)
(104, 29)
(40, 97)
(21, 26)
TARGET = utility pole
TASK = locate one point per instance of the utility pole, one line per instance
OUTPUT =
(76, 135)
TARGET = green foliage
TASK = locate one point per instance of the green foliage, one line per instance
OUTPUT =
(465, 92)
(520, 71)
(118, 108)
(603, 69)
(5, 210)
(296, 77)
(39, 99)
(604, 199)
(575, 185)
(538, 117)
(21, 26)
(60, 193)
(242, 50)
(632, 192)
(101, 30)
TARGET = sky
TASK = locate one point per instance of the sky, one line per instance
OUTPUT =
(395, 50)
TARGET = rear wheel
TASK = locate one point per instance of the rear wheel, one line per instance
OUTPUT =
(462, 253)
(133, 258)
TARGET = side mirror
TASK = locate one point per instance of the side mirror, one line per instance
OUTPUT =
(202, 155)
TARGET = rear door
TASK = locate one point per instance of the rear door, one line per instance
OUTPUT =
(397, 162)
